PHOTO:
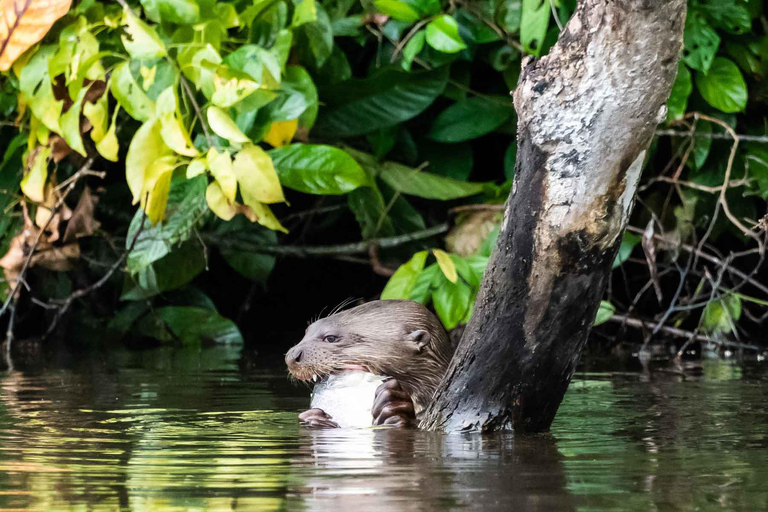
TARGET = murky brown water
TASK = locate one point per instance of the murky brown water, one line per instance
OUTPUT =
(180, 430)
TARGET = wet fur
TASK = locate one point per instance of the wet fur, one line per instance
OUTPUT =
(376, 335)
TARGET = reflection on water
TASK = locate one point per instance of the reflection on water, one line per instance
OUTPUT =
(179, 430)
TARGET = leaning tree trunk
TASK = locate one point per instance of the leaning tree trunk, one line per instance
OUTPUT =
(586, 115)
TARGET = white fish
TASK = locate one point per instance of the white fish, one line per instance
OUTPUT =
(347, 397)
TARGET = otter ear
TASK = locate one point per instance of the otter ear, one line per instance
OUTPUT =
(421, 338)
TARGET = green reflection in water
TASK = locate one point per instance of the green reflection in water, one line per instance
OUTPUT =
(187, 429)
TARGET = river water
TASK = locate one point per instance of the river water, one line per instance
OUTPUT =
(192, 430)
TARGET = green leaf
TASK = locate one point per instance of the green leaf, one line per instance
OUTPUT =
(35, 83)
(723, 87)
(701, 42)
(254, 266)
(70, 124)
(534, 22)
(628, 243)
(720, 316)
(357, 107)
(701, 145)
(416, 182)
(170, 272)
(183, 12)
(413, 48)
(186, 211)
(129, 94)
(370, 211)
(423, 288)
(191, 325)
(140, 40)
(297, 98)
(677, 103)
(317, 169)
(315, 39)
(401, 283)
(729, 15)
(470, 119)
(604, 312)
(452, 301)
(305, 11)
(398, 10)
(442, 34)
(450, 160)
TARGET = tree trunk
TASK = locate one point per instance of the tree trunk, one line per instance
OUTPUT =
(586, 115)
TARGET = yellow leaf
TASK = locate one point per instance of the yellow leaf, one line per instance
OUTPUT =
(25, 22)
(228, 91)
(140, 40)
(257, 177)
(146, 146)
(98, 115)
(223, 126)
(147, 76)
(281, 133)
(157, 197)
(220, 165)
(108, 145)
(196, 167)
(263, 215)
(218, 202)
(173, 132)
(446, 264)
(33, 184)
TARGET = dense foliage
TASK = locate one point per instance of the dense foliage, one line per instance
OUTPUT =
(231, 125)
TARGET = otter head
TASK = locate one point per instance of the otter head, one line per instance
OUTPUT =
(393, 338)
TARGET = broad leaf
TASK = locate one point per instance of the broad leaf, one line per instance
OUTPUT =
(129, 93)
(446, 264)
(141, 40)
(223, 126)
(357, 107)
(256, 175)
(604, 312)
(185, 212)
(146, 147)
(401, 283)
(701, 42)
(173, 11)
(470, 119)
(317, 169)
(533, 24)
(24, 24)
(442, 34)
(723, 87)
(192, 325)
(681, 90)
(416, 182)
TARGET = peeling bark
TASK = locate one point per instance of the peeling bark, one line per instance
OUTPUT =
(586, 115)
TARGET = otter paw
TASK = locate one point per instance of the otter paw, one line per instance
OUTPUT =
(393, 406)
(317, 418)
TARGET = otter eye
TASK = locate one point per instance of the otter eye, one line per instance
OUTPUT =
(331, 338)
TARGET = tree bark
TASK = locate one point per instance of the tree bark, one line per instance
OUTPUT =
(586, 115)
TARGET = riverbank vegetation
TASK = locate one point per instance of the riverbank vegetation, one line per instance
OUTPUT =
(163, 158)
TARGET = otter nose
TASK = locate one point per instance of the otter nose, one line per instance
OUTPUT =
(293, 356)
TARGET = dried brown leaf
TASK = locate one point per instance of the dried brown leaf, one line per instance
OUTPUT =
(24, 23)
(82, 222)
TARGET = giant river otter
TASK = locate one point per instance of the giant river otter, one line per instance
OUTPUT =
(400, 339)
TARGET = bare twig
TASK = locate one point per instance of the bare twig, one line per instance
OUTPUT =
(231, 241)
(717, 136)
(673, 331)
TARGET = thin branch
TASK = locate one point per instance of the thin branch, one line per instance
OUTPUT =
(326, 250)
(673, 331)
(718, 136)
(198, 112)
